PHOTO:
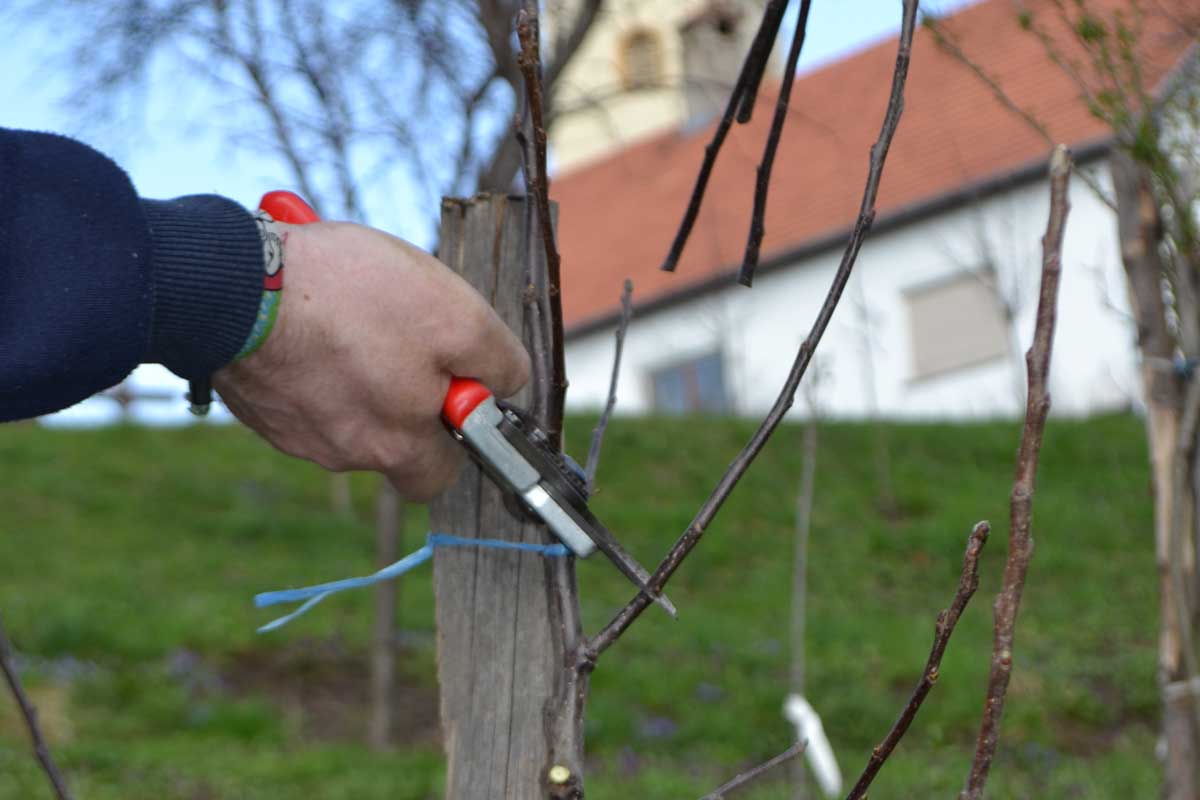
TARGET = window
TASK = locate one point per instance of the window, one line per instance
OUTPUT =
(955, 324)
(694, 386)
(641, 59)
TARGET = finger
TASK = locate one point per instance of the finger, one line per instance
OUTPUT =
(426, 475)
(473, 341)
(485, 349)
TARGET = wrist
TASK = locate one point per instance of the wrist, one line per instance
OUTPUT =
(272, 287)
(291, 334)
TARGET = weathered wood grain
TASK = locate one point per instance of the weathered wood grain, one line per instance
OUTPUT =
(507, 621)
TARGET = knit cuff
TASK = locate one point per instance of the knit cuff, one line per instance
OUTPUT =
(207, 273)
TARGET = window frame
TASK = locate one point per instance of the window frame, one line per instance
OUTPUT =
(625, 63)
(680, 363)
(981, 277)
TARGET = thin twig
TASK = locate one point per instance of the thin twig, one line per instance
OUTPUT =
(749, 776)
(756, 58)
(968, 582)
(336, 123)
(691, 536)
(251, 62)
(31, 720)
(741, 99)
(563, 726)
(593, 456)
(763, 174)
(567, 46)
(471, 104)
(1020, 542)
(536, 296)
(538, 185)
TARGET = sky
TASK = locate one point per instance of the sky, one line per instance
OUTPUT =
(839, 27)
(172, 149)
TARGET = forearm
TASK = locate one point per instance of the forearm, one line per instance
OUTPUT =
(94, 280)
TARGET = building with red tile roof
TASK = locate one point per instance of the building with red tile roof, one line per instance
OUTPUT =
(964, 168)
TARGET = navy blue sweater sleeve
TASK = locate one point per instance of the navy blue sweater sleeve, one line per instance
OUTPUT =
(95, 280)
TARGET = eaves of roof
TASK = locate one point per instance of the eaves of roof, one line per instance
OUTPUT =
(905, 215)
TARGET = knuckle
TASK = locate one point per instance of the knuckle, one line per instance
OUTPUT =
(354, 443)
(392, 454)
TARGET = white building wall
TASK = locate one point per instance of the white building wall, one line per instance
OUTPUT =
(758, 330)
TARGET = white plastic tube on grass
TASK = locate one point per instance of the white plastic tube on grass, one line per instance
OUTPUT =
(819, 753)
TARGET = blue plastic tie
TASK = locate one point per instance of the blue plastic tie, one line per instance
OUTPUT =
(311, 595)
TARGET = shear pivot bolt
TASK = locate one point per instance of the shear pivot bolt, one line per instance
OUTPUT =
(559, 774)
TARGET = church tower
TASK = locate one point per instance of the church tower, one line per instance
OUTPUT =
(645, 67)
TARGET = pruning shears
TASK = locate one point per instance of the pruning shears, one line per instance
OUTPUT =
(513, 451)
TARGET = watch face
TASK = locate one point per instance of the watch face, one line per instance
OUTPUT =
(272, 260)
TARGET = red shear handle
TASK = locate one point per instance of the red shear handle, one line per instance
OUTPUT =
(289, 207)
(463, 397)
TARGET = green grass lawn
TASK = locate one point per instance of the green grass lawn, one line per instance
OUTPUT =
(129, 557)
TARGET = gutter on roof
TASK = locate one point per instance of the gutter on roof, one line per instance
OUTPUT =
(905, 215)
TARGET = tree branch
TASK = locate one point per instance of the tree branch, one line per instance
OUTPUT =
(535, 297)
(569, 46)
(498, 174)
(471, 104)
(336, 122)
(495, 18)
(29, 713)
(1020, 542)
(692, 535)
(763, 174)
(751, 775)
(756, 58)
(537, 184)
(593, 457)
(968, 582)
(255, 70)
(742, 97)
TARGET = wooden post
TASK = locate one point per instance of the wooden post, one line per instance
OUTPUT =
(389, 523)
(508, 622)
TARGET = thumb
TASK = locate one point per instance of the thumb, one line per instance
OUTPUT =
(494, 356)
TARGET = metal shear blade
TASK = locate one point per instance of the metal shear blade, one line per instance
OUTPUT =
(607, 543)
(567, 491)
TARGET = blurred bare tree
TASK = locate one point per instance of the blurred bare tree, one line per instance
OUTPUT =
(410, 93)
(352, 97)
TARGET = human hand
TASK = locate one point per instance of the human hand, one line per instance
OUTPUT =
(369, 332)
